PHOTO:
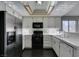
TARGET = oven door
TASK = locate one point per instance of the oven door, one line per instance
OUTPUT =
(37, 42)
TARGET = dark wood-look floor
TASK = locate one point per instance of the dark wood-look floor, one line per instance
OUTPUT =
(39, 53)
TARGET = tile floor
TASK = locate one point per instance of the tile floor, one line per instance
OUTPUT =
(39, 53)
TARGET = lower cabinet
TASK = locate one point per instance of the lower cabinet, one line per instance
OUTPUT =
(52, 41)
(65, 50)
(27, 41)
(55, 45)
(61, 48)
(46, 41)
(76, 52)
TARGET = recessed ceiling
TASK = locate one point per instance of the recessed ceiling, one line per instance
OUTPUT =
(48, 8)
(34, 8)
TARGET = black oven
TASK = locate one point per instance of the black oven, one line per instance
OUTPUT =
(11, 37)
(37, 40)
(37, 25)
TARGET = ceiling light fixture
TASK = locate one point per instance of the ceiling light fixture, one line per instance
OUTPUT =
(39, 2)
(28, 8)
(51, 6)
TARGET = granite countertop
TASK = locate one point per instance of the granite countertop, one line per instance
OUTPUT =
(74, 42)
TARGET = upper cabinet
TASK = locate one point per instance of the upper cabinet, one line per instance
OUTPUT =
(52, 22)
(37, 19)
(2, 6)
(48, 21)
(45, 22)
(27, 22)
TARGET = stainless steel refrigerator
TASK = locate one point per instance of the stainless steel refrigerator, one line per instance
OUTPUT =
(10, 35)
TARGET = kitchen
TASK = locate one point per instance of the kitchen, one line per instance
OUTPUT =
(39, 28)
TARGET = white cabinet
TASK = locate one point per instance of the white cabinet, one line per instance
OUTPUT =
(2, 6)
(46, 41)
(52, 41)
(37, 19)
(10, 20)
(51, 22)
(45, 22)
(27, 22)
(61, 48)
(76, 52)
(54, 22)
(28, 41)
(55, 44)
(65, 50)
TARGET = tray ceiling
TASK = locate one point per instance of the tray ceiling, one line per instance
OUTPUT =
(34, 8)
(46, 8)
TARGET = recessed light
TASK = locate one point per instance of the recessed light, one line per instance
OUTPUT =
(39, 2)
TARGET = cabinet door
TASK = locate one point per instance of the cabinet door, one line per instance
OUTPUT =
(2, 6)
(65, 50)
(45, 23)
(57, 46)
(27, 22)
(76, 52)
(28, 41)
(38, 19)
(52, 43)
(46, 41)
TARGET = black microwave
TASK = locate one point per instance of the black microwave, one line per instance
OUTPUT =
(37, 25)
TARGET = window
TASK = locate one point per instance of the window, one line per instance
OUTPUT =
(65, 26)
(69, 25)
(72, 26)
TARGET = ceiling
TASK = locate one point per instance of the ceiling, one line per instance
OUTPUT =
(34, 8)
(64, 7)
(47, 8)
(74, 11)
